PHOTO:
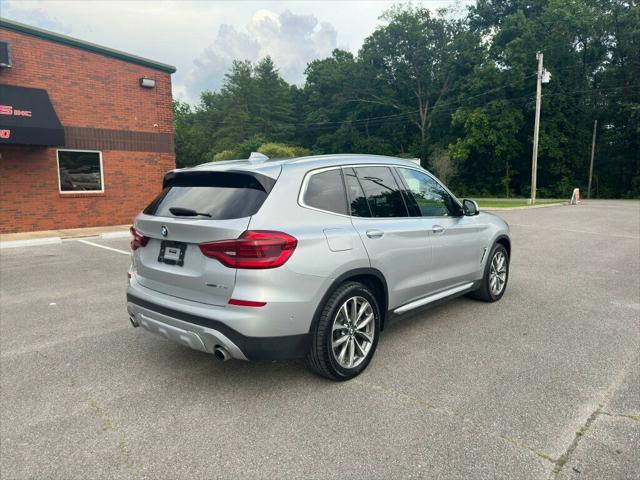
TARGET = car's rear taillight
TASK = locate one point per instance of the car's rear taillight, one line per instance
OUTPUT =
(253, 249)
(138, 239)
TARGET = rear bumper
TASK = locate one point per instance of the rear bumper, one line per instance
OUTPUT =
(205, 334)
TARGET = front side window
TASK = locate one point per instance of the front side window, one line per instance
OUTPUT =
(80, 171)
(325, 191)
(382, 192)
(426, 197)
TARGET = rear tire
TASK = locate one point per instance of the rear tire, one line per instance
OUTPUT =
(346, 334)
(496, 276)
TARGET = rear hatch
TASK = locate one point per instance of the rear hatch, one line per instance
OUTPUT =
(171, 262)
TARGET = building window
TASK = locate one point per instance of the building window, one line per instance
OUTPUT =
(80, 171)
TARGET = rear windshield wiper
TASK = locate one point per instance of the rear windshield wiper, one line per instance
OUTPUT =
(187, 212)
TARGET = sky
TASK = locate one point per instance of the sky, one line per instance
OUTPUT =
(201, 38)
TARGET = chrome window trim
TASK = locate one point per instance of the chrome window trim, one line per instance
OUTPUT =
(305, 184)
(392, 166)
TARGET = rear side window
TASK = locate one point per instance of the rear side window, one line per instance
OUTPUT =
(222, 195)
(381, 189)
(325, 191)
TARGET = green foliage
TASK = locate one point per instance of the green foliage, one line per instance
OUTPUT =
(225, 155)
(280, 150)
(456, 91)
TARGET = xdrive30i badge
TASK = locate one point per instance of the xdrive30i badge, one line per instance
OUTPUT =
(164, 231)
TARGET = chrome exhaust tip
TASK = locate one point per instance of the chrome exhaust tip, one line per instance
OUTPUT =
(133, 322)
(221, 354)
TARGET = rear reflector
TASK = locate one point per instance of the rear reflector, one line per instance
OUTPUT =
(138, 240)
(253, 249)
(246, 303)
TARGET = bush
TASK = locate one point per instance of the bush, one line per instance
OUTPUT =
(251, 144)
(225, 155)
(280, 150)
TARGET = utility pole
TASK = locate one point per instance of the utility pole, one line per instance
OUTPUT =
(593, 151)
(536, 131)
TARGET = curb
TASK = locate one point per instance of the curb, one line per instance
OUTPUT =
(34, 242)
(122, 234)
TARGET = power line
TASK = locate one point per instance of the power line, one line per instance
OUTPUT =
(380, 120)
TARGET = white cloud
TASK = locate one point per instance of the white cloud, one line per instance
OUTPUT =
(291, 40)
(191, 36)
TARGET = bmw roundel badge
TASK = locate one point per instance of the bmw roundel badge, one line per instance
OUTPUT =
(164, 231)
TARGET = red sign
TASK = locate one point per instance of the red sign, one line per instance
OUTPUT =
(5, 133)
(9, 110)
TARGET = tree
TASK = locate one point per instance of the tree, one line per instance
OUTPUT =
(410, 65)
(443, 165)
(190, 143)
(457, 91)
(274, 106)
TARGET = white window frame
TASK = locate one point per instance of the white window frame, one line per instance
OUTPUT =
(79, 192)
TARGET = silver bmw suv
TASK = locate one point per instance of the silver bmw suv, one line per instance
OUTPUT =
(308, 257)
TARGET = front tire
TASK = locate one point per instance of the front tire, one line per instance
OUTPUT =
(496, 275)
(346, 335)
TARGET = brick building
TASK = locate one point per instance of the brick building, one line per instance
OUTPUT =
(86, 132)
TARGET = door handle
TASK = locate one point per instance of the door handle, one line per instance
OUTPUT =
(375, 233)
(437, 229)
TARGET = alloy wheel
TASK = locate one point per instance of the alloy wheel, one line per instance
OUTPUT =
(498, 273)
(353, 332)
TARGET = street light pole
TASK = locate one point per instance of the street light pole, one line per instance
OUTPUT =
(593, 150)
(536, 131)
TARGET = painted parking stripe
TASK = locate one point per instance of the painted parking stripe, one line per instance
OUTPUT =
(87, 242)
(633, 237)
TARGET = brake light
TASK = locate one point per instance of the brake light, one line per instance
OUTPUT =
(253, 249)
(138, 240)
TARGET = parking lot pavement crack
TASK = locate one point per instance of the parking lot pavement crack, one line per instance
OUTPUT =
(584, 428)
(621, 415)
(562, 460)
(108, 425)
(459, 416)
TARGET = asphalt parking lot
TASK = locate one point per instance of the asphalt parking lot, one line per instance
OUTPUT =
(543, 384)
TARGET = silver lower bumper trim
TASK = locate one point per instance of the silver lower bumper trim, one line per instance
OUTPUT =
(193, 336)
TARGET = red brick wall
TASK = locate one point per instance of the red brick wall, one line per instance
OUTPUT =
(29, 197)
(86, 90)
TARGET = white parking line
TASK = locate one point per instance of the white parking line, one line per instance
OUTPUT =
(87, 242)
(574, 231)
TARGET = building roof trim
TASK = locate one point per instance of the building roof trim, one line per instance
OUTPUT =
(81, 44)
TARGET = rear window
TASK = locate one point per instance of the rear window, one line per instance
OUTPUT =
(325, 191)
(223, 195)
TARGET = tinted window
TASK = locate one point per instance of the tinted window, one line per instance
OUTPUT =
(357, 201)
(382, 192)
(326, 192)
(222, 195)
(79, 171)
(427, 196)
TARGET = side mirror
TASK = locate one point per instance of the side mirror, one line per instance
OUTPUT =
(470, 207)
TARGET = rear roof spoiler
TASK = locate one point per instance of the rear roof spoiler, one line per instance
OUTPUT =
(221, 178)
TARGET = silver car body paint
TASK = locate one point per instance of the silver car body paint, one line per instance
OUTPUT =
(422, 259)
